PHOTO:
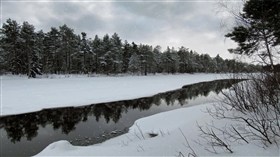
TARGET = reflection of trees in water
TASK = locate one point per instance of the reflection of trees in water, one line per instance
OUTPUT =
(19, 127)
(27, 125)
(193, 91)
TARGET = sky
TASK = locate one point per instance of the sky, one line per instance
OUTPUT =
(197, 25)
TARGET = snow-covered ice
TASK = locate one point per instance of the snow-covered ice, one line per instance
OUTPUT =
(21, 95)
(169, 141)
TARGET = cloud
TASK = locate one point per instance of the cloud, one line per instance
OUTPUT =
(195, 25)
(157, 10)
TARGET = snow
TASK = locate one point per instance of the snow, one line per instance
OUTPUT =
(169, 142)
(22, 95)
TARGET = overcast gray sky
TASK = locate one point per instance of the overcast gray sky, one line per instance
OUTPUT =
(192, 24)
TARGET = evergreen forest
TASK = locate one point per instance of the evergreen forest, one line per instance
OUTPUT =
(60, 51)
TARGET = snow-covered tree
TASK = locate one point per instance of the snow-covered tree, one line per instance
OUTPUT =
(24, 51)
(134, 63)
(116, 49)
(183, 59)
(170, 61)
(69, 46)
(51, 59)
(127, 52)
(106, 58)
(10, 38)
(96, 52)
(157, 58)
(29, 53)
(146, 58)
(86, 52)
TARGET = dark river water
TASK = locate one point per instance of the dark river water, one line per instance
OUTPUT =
(28, 134)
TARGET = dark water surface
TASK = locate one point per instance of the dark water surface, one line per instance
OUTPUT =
(28, 134)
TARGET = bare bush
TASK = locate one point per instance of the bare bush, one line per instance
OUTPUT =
(188, 146)
(142, 137)
(254, 103)
(213, 139)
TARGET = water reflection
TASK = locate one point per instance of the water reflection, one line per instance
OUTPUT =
(66, 120)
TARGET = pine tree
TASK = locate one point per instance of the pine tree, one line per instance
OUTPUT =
(196, 62)
(69, 46)
(106, 58)
(30, 59)
(134, 63)
(146, 58)
(183, 59)
(219, 63)
(207, 63)
(10, 38)
(157, 59)
(39, 47)
(117, 52)
(170, 61)
(175, 61)
(258, 32)
(151, 61)
(134, 60)
(96, 46)
(86, 53)
(166, 60)
(127, 52)
(51, 59)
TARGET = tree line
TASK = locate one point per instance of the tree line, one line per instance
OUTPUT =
(61, 51)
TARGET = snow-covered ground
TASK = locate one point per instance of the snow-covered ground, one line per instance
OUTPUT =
(21, 95)
(169, 141)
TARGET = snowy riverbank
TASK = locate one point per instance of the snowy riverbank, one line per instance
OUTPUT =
(21, 95)
(168, 142)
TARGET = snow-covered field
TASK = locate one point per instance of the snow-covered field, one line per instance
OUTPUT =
(21, 95)
(169, 141)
